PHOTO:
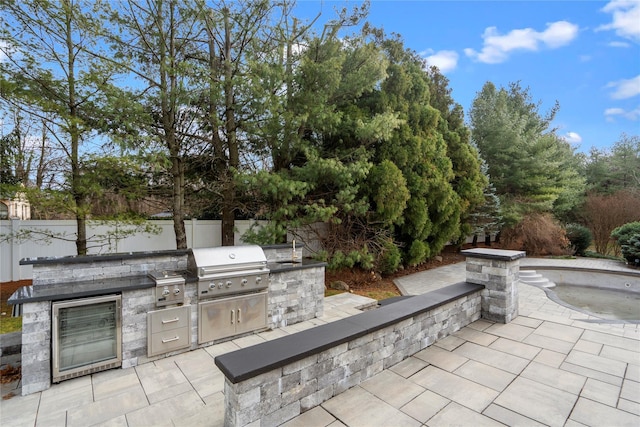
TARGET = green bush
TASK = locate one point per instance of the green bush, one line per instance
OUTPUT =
(628, 237)
(580, 238)
(390, 258)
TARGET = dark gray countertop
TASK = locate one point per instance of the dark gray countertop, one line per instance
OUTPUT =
(64, 291)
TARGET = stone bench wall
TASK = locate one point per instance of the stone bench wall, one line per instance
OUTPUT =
(261, 384)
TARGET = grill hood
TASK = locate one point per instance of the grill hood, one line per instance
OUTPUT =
(205, 262)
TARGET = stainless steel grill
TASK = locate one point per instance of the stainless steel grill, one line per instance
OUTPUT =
(229, 270)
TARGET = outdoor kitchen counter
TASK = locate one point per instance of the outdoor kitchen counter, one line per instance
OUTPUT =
(89, 288)
(283, 266)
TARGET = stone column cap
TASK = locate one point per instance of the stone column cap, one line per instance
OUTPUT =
(499, 254)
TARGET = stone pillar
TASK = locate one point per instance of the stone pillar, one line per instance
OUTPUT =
(36, 347)
(499, 271)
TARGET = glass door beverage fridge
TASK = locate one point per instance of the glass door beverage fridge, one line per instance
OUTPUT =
(87, 336)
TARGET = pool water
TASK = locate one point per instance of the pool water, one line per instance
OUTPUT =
(605, 303)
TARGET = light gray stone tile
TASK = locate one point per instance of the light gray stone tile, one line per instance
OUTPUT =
(480, 325)
(620, 354)
(316, 417)
(545, 404)
(208, 384)
(425, 406)
(629, 406)
(21, 409)
(527, 321)
(548, 343)
(441, 358)
(248, 341)
(553, 377)
(161, 382)
(162, 413)
(601, 392)
(453, 387)
(485, 375)
(588, 346)
(450, 343)
(392, 388)
(491, 357)
(571, 423)
(612, 340)
(590, 373)
(454, 413)
(59, 399)
(630, 391)
(114, 382)
(593, 413)
(550, 358)
(509, 418)
(560, 332)
(633, 373)
(597, 363)
(409, 366)
(511, 331)
(552, 317)
(357, 406)
(222, 348)
(515, 348)
(107, 408)
(475, 336)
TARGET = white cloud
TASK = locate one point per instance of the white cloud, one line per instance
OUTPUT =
(611, 113)
(625, 88)
(619, 44)
(626, 18)
(445, 60)
(497, 47)
(572, 138)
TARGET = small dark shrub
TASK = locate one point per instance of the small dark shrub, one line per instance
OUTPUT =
(580, 238)
(628, 237)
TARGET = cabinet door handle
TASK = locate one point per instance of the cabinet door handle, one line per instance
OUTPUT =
(170, 339)
(233, 312)
(239, 316)
(164, 322)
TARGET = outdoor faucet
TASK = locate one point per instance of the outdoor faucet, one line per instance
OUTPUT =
(294, 256)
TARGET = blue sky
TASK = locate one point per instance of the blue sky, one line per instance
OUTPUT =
(583, 54)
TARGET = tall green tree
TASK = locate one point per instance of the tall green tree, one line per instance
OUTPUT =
(154, 43)
(532, 169)
(616, 169)
(50, 72)
(469, 182)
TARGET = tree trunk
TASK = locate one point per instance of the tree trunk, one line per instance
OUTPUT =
(228, 193)
(474, 242)
(487, 239)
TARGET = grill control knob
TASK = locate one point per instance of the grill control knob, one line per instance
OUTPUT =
(212, 285)
(165, 291)
(229, 283)
(220, 285)
(244, 282)
(176, 291)
(258, 280)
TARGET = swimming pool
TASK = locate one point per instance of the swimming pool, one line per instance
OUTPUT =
(611, 296)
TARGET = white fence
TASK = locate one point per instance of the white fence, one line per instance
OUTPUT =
(200, 234)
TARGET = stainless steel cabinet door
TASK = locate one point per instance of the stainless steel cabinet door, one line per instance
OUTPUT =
(216, 319)
(221, 318)
(251, 313)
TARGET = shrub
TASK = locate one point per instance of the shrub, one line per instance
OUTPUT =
(604, 212)
(389, 258)
(628, 237)
(580, 238)
(537, 234)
